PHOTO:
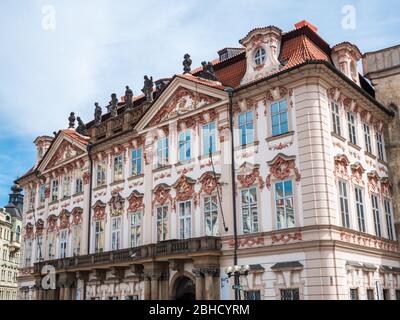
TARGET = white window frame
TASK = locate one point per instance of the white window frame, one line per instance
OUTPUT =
(77, 233)
(367, 138)
(250, 211)
(185, 142)
(360, 209)
(66, 190)
(344, 209)
(246, 128)
(98, 236)
(118, 168)
(185, 219)
(116, 233)
(163, 236)
(281, 111)
(101, 171)
(380, 146)
(54, 190)
(336, 123)
(259, 56)
(284, 198)
(63, 243)
(352, 127)
(136, 229)
(162, 152)
(136, 162)
(209, 130)
(389, 219)
(376, 215)
(42, 194)
(209, 214)
(51, 254)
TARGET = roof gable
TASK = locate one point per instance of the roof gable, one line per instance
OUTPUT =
(184, 95)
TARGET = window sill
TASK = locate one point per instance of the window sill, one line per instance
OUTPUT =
(370, 155)
(383, 162)
(182, 163)
(283, 135)
(358, 148)
(104, 186)
(78, 194)
(337, 136)
(40, 208)
(65, 198)
(137, 177)
(245, 146)
(53, 202)
(162, 168)
(117, 182)
(207, 156)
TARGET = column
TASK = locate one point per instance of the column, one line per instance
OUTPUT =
(147, 288)
(154, 286)
(199, 284)
(209, 274)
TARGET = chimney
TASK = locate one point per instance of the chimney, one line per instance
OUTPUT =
(305, 23)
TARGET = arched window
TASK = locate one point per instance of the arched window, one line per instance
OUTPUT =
(18, 234)
(259, 56)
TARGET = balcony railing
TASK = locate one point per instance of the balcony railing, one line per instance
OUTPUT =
(162, 249)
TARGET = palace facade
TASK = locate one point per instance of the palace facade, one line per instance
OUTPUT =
(279, 143)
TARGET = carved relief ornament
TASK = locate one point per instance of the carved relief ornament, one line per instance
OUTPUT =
(249, 175)
(281, 167)
(341, 167)
(99, 210)
(77, 216)
(135, 202)
(373, 182)
(184, 188)
(162, 195)
(39, 227)
(64, 219)
(357, 171)
(28, 231)
(116, 204)
(52, 223)
(209, 182)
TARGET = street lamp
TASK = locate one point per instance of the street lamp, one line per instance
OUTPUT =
(237, 271)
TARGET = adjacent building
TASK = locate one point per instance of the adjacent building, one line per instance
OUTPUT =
(279, 143)
(10, 243)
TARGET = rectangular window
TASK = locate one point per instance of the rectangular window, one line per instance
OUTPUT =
(344, 204)
(184, 146)
(211, 215)
(63, 243)
(77, 239)
(66, 191)
(246, 128)
(137, 162)
(379, 145)
(136, 218)
(386, 294)
(360, 209)
(284, 205)
(336, 118)
(389, 218)
(185, 220)
(351, 122)
(353, 294)
(367, 138)
(39, 246)
(370, 294)
(50, 245)
(290, 294)
(279, 118)
(116, 233)
(397, 294)
(99, 236)
(162, 223)
(209, 138)
(79, 182)
(252, 295)
(249, 210)
(42, 194)
(101, 174)
(54, 190)
(376, 215)
(162, 152)
(118, 168)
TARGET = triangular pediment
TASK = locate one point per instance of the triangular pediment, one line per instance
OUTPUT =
(184, 96)
(64, 149)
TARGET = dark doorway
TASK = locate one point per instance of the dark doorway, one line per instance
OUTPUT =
(185, 289)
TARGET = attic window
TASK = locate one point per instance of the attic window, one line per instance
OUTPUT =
(259, 56)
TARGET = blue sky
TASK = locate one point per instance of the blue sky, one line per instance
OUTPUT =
(99, 46)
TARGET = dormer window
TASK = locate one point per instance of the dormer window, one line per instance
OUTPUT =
(259, 56)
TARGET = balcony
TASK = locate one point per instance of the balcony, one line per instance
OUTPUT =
(171, 249)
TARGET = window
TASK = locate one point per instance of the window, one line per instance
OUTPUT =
(259, 56)
(209, 138)
(290, 294)
(336, 118)
(77, 239)
(351, 122)
(397, 294)
(79, 183)
(116, 233)
(54, 190)
(32, 197)
(379, 145)
(370, 294)
(353, 294)
(42, 194)
(246, 128)
(39, 245)
(367, 138)
(375, 213)
(360, 209)
(162, 152)
(98, 236)
(132, 297)
(50, 245)
(184, 145)
(252, 295)
(211, 215)
(185, 220)
(279, 118)
(249, 210)
(136, 218)
(101, 173)
(18, 234)
(162, 223)
(118, 168)
(284, 205)
(137, 162)
(63, 243)
(66, 191)
(344, 204)
(386, 294)
(28, 253)
(389, 218)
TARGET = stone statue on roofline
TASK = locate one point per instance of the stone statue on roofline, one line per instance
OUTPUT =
(208, 71)
(81, 129)
(148, 88)
(97, 114)
(71, 120)
(128, 98)
(187, 62)
(113, 108)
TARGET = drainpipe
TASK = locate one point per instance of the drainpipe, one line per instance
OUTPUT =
(235, 235)
(89, 149)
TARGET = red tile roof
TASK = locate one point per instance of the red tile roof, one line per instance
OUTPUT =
(76, 136)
